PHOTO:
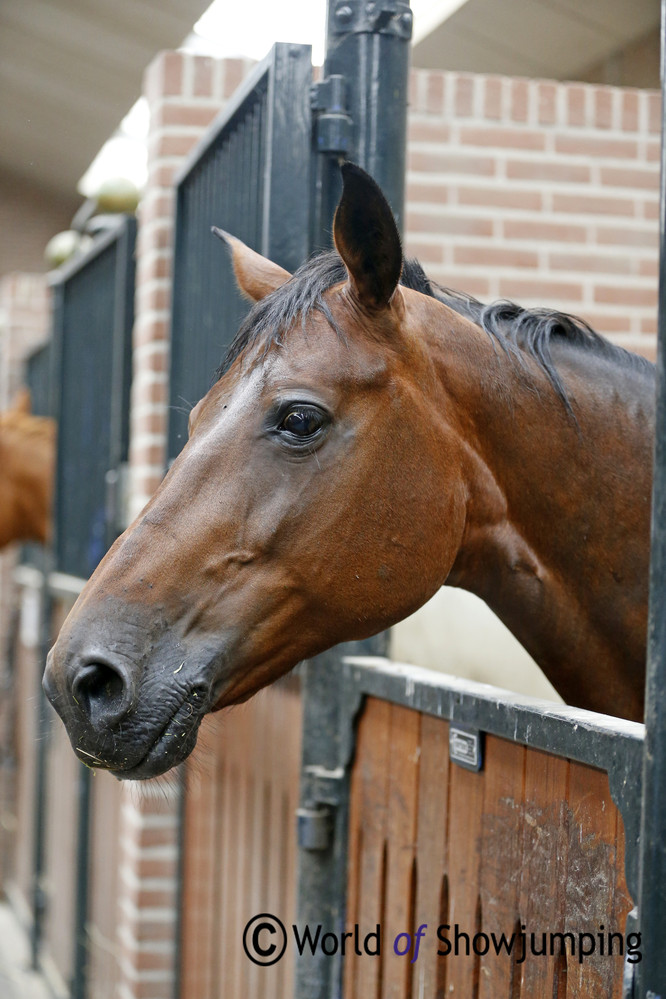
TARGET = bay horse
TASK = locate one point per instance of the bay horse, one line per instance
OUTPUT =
(371, 437)
(27, 456)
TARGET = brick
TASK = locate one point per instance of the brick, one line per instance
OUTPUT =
(152, 456)
(427, 253)
(429, 131)
(172, 76)
(464, 96)
(150, 332)
(592, 262)
(493, 94)
(592, 146)
(234, 72)
(541, 289)
(548, 170)
(494, 256)
(654, 112)
(502, 138)
(589, 204)
(451, 162)
(605, 323)
(498, 198)
(634, 177)
(653, 152)
(435, 93)
(436, 193)
(539, 231)
(547, 106)
(626, 236)
(472, 284)
(651, 210)
(649, 268)
(189, 115)
(629, 115)
(165, 145)
(649, 325)
(417, 222)
(626, 295)
(576, 104)
(519, 100)
(203, 71)
(603, 107)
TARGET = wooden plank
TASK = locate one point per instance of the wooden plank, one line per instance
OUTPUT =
(544, 867)
(428, 972)
(591, 885)
(501, 856)
(465, 828)
(398, 924)
(368, 830)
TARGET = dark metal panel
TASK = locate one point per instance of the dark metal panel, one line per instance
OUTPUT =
(652, 898)
(248, 176)
(367, 53)
(92, 328)
(38, 380)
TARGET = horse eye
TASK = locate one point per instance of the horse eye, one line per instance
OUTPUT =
(302, 422)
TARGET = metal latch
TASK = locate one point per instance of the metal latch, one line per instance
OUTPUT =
(332, 128)
(315, 827)
(385, 17)
(316, 816)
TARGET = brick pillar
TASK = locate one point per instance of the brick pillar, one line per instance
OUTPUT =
(185, 93)
(24, 326)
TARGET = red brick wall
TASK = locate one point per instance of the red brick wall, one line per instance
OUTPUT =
(543, 192)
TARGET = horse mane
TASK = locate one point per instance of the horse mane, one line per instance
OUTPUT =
(27, 424)
(514, 328)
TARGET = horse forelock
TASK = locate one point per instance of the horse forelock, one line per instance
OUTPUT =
(517, 330)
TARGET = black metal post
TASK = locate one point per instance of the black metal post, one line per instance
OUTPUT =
(39, 896)
(652, 899)
(361, 104)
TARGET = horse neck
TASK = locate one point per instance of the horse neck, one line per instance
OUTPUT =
(556, 539)
(25, 485)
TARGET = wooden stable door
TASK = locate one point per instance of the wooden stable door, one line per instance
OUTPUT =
(531, 846)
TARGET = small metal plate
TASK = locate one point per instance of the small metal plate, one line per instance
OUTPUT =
(466, 746)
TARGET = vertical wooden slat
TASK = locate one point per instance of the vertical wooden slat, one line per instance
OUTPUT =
(403, 771)
(544, 863)
(501, 849)
(465, 824)
(591, 882)
(432, 853)
(363, 975)
(241, 849)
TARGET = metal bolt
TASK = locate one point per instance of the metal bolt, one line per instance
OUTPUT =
(344, 14)
(406, 20)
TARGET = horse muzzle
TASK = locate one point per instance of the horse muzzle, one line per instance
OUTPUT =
(136, 722)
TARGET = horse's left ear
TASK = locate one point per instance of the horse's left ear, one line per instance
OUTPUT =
(256, 276)
(367, 238)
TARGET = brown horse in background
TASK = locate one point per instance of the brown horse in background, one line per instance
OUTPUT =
(27, 454)
(370, 438)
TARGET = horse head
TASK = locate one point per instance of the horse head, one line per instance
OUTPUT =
(312, 504)
(27, 454)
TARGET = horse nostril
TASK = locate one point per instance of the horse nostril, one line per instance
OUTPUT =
(101, 692)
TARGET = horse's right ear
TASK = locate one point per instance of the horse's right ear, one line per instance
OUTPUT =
(367, 239)
(256, 276)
